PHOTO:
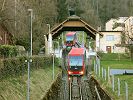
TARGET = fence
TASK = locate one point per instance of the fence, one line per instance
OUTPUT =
(105, 75)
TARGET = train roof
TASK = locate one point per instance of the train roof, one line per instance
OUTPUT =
(70, 33)
(77, 51)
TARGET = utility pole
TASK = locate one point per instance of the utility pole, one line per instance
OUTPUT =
(97, 7)
(49, 40)
(46, 45)
(30, 60)
(15, 18)
(31, 32)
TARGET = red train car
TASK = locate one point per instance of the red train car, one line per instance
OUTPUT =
(77, 62)
(71, 39)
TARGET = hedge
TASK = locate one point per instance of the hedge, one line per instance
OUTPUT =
(8, 51)
(18, 66)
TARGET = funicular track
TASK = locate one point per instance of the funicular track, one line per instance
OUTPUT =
(72, 86)
(79, 89)
(75, 88)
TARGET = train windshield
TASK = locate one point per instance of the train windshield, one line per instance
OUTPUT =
(76, 60)
(69, 38)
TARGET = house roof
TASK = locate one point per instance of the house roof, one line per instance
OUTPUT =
(76, 51)
(74, 23)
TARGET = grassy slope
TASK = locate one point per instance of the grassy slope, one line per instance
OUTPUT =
(16, 88)
(113, 62)
(123, 64)
(123, 79)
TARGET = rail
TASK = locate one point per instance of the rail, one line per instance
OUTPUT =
(97, 93)
(75, 89)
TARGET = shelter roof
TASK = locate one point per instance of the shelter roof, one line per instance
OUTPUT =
(74, 23)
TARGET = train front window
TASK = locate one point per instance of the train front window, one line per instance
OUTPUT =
(76, 61)
(69, 38)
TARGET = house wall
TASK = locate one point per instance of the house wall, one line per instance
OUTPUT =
(109, 24)
(128, 24)
(129, 28)
(119, 28)
(105, 41)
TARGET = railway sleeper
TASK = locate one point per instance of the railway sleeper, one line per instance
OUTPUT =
(74, 85)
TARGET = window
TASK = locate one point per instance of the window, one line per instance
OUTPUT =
(110, 38)
(76, 60)
(69, 38)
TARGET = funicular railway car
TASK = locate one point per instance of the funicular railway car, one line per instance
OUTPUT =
(71, 39)
(77, 62)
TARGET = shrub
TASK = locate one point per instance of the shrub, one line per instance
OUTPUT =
(18, 66)
(100, 54)
(8, 51)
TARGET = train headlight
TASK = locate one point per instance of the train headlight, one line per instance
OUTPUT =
(69, 72)
(81, 72)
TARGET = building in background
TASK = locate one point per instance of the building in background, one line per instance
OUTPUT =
(128, 30)
(112, 41)
(109, 24)
(109, 41)
(115, 24)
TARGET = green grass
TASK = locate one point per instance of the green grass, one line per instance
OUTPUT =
(114, 56)
(107, 87)
(123, 79)
(112, 61)
(15, 88)
(124, 64)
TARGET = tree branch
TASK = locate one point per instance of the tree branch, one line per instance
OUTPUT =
(3, 5)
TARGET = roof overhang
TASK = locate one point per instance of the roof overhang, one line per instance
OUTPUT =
(74, 23)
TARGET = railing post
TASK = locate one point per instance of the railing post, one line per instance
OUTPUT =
(94, 66)
(102, 72)
(113, 83)
(108, 74)
(126, 87)
(99, 66)
(118, 87)
(105, 74)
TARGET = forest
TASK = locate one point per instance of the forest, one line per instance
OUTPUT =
(15, 17)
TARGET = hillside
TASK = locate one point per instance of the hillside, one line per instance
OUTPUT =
(15, 16)
(15, 88)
